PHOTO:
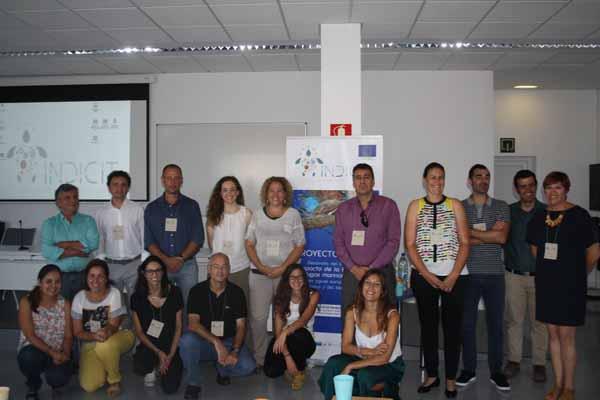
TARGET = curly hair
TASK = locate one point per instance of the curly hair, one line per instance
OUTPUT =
(216, 206)
(287, 188)
(283, 294)
(384, 304)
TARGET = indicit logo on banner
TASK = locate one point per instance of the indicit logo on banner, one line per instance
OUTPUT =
(309, 164)
(308, 161)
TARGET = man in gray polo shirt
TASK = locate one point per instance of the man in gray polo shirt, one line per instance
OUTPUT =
(489, 221)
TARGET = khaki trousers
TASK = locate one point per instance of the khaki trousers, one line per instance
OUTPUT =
(262, 290)
(520, 300)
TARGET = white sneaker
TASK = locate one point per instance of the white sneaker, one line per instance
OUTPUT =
(149, 379)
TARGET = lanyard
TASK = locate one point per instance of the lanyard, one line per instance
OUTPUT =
(210, 305)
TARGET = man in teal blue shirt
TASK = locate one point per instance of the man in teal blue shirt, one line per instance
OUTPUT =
(520, 282)
(68, 238)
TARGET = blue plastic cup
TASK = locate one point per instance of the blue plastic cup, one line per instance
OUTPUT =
(343, 386)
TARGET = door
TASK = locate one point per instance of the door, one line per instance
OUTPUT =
(505, 168)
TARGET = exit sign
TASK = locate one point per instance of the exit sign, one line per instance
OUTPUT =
(507, 145)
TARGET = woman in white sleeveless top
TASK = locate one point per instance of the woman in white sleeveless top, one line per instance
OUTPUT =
(226, 225)
(369, 350)
(437, 242)
(294, 307)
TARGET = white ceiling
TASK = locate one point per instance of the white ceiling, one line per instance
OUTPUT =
(47, 25)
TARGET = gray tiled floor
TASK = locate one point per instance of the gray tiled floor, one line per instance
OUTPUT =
(588, 378)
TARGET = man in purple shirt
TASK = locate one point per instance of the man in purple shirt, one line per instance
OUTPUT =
(367, 234)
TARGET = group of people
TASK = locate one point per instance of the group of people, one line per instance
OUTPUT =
(456, 249)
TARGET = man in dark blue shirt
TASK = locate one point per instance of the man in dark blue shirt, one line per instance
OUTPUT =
(173, 230)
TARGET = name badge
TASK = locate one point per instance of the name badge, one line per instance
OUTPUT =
(358, 238)
(228, 247)
(217, 328)
(118, 232)
(480, 227)
(287, 228)
(437, 236)
(155, 328)
(272, 248)
(171, 224)
(551, 251)
(95, 326)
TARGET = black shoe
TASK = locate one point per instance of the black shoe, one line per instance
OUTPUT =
(223, 380)
(451, 393)
(500, 381)
(192, 392)
(32, 395)
(465, 378)
(426, 388)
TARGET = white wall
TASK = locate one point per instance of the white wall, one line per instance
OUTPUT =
(446, 117)
(558, 127)
(424, 116)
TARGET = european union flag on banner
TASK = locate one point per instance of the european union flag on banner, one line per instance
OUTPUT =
(367, 150)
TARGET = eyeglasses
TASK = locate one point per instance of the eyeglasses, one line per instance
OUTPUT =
(363, 219)
(153, 271)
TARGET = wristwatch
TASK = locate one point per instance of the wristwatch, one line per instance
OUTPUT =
(235, 350)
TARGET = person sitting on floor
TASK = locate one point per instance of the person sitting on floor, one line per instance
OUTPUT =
(46, 338)
(157, 308)
(295, 305)
(216, 328)
(369, 350)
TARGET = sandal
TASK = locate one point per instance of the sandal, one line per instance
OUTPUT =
(554, 393)
(113, 390)
(567, 394)
(298, 381)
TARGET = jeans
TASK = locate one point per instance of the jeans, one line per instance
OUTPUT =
(194, 349)
(33, 362)
(185, 279)
(492, 289)
(71, 283)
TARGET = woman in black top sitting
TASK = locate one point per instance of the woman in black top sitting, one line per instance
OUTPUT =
(157, 308)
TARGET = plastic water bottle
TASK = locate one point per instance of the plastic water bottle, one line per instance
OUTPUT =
(401, 275)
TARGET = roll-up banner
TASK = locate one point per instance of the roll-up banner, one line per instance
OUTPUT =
(320, 171)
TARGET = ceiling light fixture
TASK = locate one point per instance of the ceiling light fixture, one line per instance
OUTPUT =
(526, 86)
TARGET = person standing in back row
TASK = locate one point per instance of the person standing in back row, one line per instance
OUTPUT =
(173, 230)
(489, 224)
(520, 281)
(121, 227)
(367, 235)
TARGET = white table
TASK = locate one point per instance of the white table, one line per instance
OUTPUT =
(19, 269)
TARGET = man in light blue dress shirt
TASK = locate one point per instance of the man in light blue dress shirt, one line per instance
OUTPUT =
(68, 238)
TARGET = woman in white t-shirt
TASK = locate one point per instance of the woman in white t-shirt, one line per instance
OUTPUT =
(227, 221)
(295, 304)
(97, 313)
(275, 240)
